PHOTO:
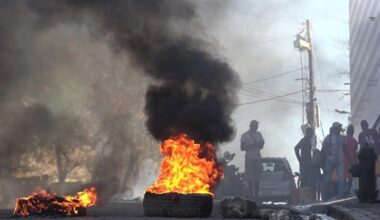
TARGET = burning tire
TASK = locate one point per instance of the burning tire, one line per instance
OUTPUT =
(177, 205)
(44, 203)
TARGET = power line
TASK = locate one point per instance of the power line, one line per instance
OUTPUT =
(267, 18)
(262, 42)
(273, 76)
(270, 90)
(323, 84)
(265, 113)
(266, 94)
(287, 101)
(271, 98)
(333, 90)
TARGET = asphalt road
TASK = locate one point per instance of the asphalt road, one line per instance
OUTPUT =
(112, 211)
(134, 210)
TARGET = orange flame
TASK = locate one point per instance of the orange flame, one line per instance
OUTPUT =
(187, 167)
(45, 203)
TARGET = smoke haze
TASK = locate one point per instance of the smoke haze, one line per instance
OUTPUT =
(89, 64)
(257, 39)
(196, 91)
(63, 88)
(76, 70)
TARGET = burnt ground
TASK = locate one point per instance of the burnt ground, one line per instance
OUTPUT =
(134, 210)
(125, 210)
(114, 210)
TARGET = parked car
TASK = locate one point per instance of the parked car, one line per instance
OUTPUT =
(277, 180)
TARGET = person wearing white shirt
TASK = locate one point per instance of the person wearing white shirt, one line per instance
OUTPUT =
(252, 142)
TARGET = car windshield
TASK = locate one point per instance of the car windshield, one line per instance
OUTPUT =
(272, 166)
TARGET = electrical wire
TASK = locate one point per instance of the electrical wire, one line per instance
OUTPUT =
(323, 84)
(262, 91)
(260, 42)
(268, 88)
(282, 110)
(294, 22)
(265, 94)
(332, 90)
(288, 101)
(269, 99)
(273, 76)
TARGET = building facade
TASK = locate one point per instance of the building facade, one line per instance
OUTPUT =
(364, 25)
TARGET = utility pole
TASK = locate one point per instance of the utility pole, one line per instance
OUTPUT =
(312, 116)
(305, 43)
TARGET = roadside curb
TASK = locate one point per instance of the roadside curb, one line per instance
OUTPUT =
(343, 213)
(347, 209)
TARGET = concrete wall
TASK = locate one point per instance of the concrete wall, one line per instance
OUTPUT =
(364, 60)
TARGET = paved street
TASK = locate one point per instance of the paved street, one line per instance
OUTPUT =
(356, 212)
(115, 210)
(133, 210)
(347, 209)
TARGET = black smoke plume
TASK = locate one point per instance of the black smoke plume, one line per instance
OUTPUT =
(194, 91)
(62, 89)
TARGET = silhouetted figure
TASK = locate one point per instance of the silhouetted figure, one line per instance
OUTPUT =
(369, 137)
(316, 176)
(332, 149)
(252, 142)
(304, 158)
(350, 155)
(366, 171)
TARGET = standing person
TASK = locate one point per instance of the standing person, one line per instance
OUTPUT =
(326, 187)
(252, 142)
(332, 148)
(350, 155)
(304, 158)
(369, 137)
(316, 176)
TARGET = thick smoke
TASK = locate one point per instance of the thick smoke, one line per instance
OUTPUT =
(63, 90)
(195, 92)
(71, 110)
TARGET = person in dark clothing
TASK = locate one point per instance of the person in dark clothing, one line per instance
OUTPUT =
(350, 155)
(369, 137)
(304, 158)
(316, 175)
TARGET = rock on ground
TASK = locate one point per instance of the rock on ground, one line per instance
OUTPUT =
(234, 207)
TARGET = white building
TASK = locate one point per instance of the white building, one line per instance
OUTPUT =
(364, 27)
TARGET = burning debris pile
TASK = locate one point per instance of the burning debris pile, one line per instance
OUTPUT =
(188, 172)
(192, 90)
(43, 203)
(187, 167)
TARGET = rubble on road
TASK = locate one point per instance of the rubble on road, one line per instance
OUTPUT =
(235, 207)
(278, 214)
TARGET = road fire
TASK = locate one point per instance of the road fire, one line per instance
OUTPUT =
(187, 167)
(44, 203)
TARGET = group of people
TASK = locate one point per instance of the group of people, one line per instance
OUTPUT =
(338, 154)
(325, 171)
